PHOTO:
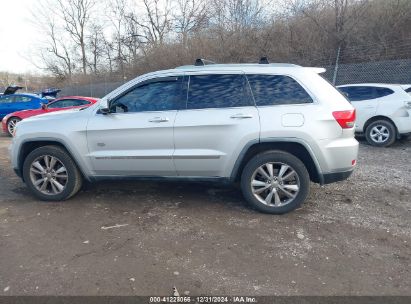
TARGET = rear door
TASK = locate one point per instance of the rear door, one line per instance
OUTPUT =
(136, 138)
(219, 120)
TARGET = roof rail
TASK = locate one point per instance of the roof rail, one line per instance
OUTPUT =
(202, 62)
(263, 60)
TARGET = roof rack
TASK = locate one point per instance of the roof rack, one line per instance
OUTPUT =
(202, 62)
(264, 60)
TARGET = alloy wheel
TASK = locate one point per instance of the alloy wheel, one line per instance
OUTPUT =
(48, 174)
(275, 184)
(11, 125)
(379, 133)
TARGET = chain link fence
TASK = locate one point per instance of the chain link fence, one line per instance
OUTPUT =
(387, 71)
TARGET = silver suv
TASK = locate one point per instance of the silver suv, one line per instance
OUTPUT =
(271, 127)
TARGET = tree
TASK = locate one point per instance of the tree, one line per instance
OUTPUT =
(189, 16)
(76, 16)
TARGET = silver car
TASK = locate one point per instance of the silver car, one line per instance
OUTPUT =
(274, 128)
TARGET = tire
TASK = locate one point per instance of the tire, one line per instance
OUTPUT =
(11, 124)
(380, 133)
(58, 187)
(297, 184)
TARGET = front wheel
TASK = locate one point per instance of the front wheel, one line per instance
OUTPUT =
(51, 174)
(11, 125)
(380, 133)
(275, 182)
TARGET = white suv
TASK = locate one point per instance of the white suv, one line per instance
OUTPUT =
(383, 111)
(272, 127)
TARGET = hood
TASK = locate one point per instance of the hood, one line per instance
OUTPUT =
(11, 90)
(56, 114)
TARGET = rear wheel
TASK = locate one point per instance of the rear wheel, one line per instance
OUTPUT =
(380, 133)
(275, 182)
(11, 125)
(51, 174)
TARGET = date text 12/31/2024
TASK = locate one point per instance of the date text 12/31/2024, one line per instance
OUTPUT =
(203, 299)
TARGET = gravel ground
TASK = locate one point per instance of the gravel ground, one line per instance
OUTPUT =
(349, 238)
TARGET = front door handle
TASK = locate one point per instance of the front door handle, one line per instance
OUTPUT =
(241, 116)
(159, 119)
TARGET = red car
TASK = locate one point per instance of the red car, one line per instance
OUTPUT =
(59, 104)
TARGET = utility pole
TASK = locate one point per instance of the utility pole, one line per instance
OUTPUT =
(336, 64)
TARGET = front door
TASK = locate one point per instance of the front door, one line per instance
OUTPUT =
(136, 138)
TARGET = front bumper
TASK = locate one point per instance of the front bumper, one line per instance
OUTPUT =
(4, 125)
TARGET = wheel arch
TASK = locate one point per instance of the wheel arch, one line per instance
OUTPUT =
(30, 145)
(295, 147)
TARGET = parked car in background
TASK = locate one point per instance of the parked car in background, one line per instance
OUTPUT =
(69, 102)
(407, 88)
(10, 101)
(272, 127)
(383, 111)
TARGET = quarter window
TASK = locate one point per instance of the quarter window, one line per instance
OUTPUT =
(276, 90)
(161, 94)
(218, 91)
(381, 92)
(22, 99)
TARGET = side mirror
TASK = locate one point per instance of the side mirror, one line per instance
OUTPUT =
(104, 106)
(104, 111)
(43, 106)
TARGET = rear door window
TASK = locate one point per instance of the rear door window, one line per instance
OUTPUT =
(359, 93)
(271, 90)
(218, 91)
(22, 99)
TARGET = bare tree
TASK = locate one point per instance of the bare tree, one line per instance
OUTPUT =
(96, 45)
(155, 22)
(117, 15)
(189, 16)
(76, 16)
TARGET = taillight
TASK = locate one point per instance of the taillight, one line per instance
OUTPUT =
(345, 119)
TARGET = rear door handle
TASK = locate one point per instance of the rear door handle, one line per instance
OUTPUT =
(159, 119)
(241, 116)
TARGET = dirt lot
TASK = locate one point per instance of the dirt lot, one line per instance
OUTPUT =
(350, 238)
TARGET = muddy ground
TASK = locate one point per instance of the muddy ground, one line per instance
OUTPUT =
(350, 238)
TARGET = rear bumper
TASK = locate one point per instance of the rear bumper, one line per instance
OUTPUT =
(329, 178)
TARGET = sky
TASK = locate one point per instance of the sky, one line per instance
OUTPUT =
(18, 36)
